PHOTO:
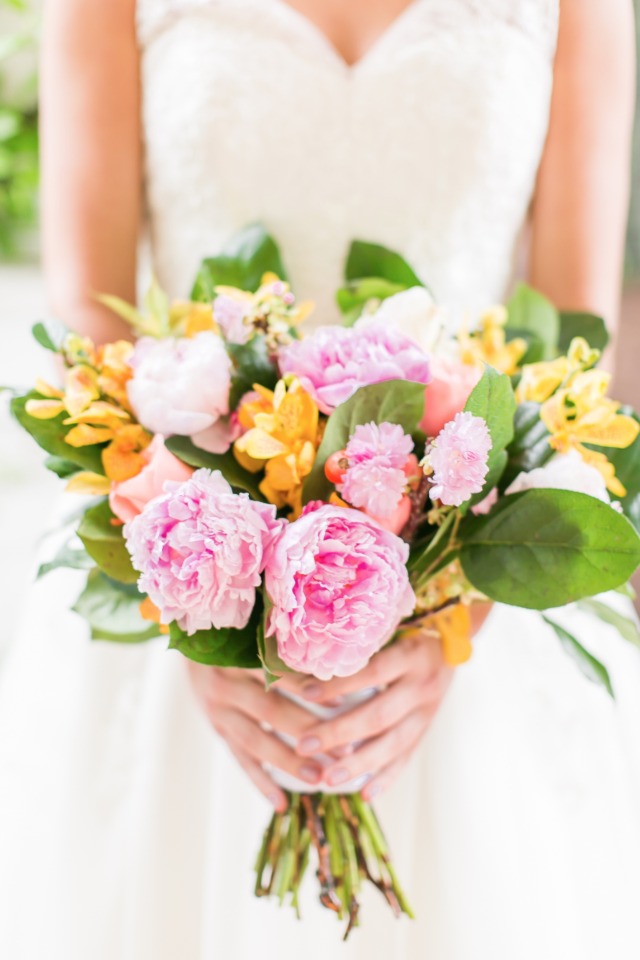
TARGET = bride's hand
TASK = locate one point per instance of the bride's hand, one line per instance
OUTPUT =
(387, 728)
(237, 704)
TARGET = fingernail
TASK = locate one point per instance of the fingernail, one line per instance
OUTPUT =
(276, 800)
(310, 772)
(345, 751)
(309, 745)
(312, 691)
(339, 775)
(371, 792)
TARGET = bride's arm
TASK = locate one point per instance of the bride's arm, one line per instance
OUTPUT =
(91, 159)
(582, 195)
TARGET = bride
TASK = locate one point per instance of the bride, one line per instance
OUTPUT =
(451, 130)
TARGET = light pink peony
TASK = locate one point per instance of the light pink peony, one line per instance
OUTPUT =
(201, 550)
(128, 498)
(448, 391)
(459, 459)
(333, 362)
(339, 588)
(375, 480)
(182, 387)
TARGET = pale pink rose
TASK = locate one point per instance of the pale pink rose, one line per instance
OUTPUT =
(339, 587)
(182, 386)
(333, 362)
(201, 550)
(447, 393)
(459, 459)
(128, 497)
(375, 479)
(230, 315)
(565, 471)
(397, 520)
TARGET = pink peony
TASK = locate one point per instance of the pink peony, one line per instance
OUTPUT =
(448, 391)
(459, 459)
(200, 549)
(182, 387)
(339, 588)
(128, 498)
(375, 480)
(333, 362)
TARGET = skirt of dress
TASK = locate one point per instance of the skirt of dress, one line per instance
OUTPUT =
(128, 833)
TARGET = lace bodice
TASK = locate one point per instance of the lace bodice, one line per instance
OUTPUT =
(430, 144)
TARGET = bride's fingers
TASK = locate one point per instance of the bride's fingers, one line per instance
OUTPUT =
(418, 652)
(261, 705)
(378, 754)
(385, 710)
(386, 777)
(242, 733)
(260, 779)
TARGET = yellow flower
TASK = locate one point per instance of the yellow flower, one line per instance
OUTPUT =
(581, 413)
(281, 438)
(540, 380)
(114, 372)
(489, 343)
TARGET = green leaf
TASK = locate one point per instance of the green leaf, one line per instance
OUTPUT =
(393, 401)
(113, 610)
(587, 663)
(67, 557)
(252, 364)
(242, 263)
(50, 335)
(372, 260)
(545, 548)
(530, 445)
(226, 463)
(157, 305)
(105, 543)
(61, 467)
(531, 313)
(50, 434)
(273, 666)
(220, 648)
(352, 298)
(626, 626)
(627, 466)
(587, 325)
(493, 399)
(140, 324)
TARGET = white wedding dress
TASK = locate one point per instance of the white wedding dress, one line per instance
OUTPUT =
(126, 830)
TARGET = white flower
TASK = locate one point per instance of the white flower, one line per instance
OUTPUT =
(182, 387)
(414, 313)
(565, 471)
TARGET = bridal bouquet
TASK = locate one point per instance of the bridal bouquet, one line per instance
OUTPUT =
(297, 502)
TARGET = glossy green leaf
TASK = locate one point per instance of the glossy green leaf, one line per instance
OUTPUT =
(530, 445)
(627, 467)
(493, 399)
(373, 260)
(251, 364)
(62, 468)
(226, 463)
(104, 542)
(242, 263)
(220, 648)
(67, 557)
(50, 335)
(626, 626)
(352, 298)
(394, 401)
(587, 325)
(50, 434)
(113, 610)
(545, 548)
(531, 313)
(586, 662)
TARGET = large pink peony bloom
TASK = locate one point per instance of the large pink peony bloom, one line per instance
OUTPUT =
(129, 497)
(339, 588)
(182, 387)
(375, 479)
(333, 362)
(449, 389)
(459, 459)
(201, 550)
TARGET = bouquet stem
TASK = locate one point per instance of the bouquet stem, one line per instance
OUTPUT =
(350, 849)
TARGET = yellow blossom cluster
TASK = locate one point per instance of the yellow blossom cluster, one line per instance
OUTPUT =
(281, 437)
(95, 405)
(488, 344)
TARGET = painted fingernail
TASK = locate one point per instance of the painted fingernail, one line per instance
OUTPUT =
(310, 772)
(276, 800)
(344, 751)
(371, 792)
(312, 691)
(309, 745)
(339, 775)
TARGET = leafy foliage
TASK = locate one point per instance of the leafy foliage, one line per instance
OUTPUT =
(242, 263)
(113, 610)
(221, 648)
(104, 542)
(50, 434)
(237, 476)
(586, 662)
(493, 399)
